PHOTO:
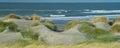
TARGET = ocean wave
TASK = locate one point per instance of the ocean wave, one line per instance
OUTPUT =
(103, 11)
(80, 17)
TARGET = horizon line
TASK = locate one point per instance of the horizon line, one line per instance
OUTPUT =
(59, 2)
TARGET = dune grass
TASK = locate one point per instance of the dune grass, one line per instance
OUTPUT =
(117, 19)
(50, 24)
(100, 19)
(71, 24)
(115, 28)
(11, 25)
(12, 16)
(35, 24)
(28, 33)
(97, 34)
(35, 17)
(26, 17)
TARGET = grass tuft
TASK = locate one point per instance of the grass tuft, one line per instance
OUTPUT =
(50, 25)
(11, 25)
(100, 19)
(115, 28)
(28, 33)
(26, 17)
(36, 17)
(71, 24)
(12, 16)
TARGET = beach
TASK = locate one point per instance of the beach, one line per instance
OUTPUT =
(59, 25)
(29, 32)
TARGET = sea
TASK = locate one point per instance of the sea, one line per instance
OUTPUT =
(61, 13)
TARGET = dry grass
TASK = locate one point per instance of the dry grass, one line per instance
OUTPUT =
(115, 28)
(50, 25)
(36, 17)
(116, 20)
(11, 16)
(84, 45)
(100, 19)
(26, 17)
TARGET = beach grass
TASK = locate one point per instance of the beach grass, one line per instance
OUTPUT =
(35, 24)
(35, 17)
(28, 33)
(50, 24)
(115, 28)
(100, 19)
(26, 17)
(71, 24)
(12, 16)
(11, 25)
(117, 19)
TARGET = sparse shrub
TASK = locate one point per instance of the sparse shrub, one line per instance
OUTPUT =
(115, 28)
(12, 16)
(28, 33)
(71, 24)
(100, 19)
(26, 17)
(50, 24)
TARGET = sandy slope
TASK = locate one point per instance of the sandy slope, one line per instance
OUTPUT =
(9, 37)
(69, 37)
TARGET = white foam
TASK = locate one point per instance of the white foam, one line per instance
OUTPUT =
(103, 11)
(80, 17)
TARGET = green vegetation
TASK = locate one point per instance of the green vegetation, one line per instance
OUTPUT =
(97, 34)
(28, 33)
(106, 38)
(2, 29)
(100, 19)
(92, 30)
(50, 25)
(11, 25)
(115, 28)
(87, 23)
(71, 24)
(11, 16)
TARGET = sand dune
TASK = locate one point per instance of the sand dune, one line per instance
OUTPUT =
(69, 37)
(9, 37)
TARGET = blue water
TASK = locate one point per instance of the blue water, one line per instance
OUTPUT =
(70, 10)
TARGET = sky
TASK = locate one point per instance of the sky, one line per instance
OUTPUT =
(66, 1)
